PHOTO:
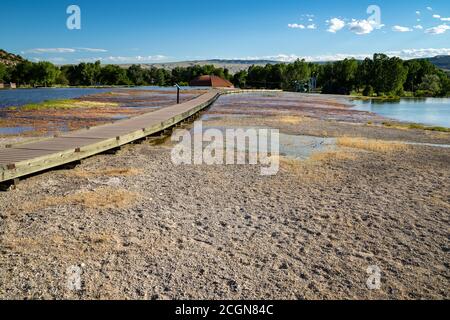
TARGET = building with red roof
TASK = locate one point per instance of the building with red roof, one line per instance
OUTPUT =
(211, 81)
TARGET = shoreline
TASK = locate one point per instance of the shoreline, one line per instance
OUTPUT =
(389, 122)
(371, 119)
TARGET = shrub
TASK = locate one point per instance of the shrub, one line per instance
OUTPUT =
(368, 91)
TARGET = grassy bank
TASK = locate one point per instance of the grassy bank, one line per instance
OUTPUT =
(416, 126)
(64, 105)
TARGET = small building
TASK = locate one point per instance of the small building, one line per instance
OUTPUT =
(12, 85)
(2, 85)
(211, 81)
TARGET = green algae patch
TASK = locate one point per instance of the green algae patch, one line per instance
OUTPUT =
(64, 105)
(416, 126)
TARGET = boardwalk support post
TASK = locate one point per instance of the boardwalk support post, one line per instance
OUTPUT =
(9, 185)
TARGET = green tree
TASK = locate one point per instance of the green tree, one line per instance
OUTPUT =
(240, 79)
(296, 72)
(414, 76)
(3, 72)
(389, 75)
(257, 77)
(44, 73)
(446, 86)
(379, 73)
(61, 79)
(136, 75)
(396, 74)
(364, 75)
(431, 84)
(22, 73)
(114, 75)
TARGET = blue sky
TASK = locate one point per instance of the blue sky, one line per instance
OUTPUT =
(118, 31)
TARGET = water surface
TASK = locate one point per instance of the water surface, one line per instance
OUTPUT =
(428, 111)
(20, 97)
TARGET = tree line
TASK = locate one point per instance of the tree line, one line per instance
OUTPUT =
(46, 74)
(380, 76)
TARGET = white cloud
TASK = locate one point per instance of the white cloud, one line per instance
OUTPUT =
(418, 13)
(404, 54)
(418, 27)
(436, 16)
(312, 27)
(125, 60)
(63, 50)
(401, 29)
(138, 58)
(293, 57)
(50, 50)
(445, 19)
(429, 8)
(92, 50)
(438, 30)
(296, 26)
(361, 26)
(420, 53)
(335, 24)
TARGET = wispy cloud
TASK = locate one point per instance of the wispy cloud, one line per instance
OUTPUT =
(335, 25)
(401, 29)
(418, 27)
(50, 50)
(126, 59)
(62, 50)
(92, 50)
(438, 30)
(436, 16)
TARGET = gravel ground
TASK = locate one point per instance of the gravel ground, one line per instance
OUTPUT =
(139, 227)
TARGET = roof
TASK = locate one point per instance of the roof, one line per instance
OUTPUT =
(211, 81)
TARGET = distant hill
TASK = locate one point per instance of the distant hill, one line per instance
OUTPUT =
(9, 59)
(232, 65)
(442, 62)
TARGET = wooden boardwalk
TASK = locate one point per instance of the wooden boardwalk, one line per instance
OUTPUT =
(25, 159)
